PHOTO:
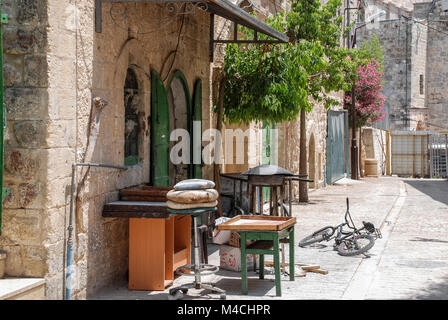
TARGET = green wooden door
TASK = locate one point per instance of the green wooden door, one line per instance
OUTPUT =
(160, 133)
(197, 117)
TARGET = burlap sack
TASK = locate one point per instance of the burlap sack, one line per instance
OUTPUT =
(180, 206)
(193, 196)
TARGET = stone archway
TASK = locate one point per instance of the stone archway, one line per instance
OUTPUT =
(312, 161)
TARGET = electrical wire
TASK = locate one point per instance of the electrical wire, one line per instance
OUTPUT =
(177, 47)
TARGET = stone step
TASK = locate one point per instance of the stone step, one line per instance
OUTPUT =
(22, 289)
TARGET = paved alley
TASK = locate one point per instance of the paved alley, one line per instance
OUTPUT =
(409, 262)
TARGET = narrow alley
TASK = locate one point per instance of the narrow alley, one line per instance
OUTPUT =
(409, 262)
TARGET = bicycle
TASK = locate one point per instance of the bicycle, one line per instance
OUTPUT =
(347, 243)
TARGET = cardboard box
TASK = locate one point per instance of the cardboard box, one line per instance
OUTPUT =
(230, 259)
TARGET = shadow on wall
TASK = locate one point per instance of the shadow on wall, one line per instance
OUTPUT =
(436, 189)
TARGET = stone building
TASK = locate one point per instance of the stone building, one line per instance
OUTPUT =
(413, 35)
(90, 85)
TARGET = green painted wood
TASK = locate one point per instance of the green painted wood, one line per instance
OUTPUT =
(272, 236)
(278, 289)
(291, 256)
(244, 288)
(160, 133)
(197, 116)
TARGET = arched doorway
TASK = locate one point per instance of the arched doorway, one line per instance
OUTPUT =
(179, 102)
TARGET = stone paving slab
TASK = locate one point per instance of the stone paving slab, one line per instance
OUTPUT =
(411, 263)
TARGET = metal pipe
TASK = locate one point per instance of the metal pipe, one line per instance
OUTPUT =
(68, 272)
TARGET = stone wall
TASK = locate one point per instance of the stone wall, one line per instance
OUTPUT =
(437, 69)
(55, 65)
(396, 38)
(27, 140)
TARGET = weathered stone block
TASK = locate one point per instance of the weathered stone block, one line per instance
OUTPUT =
(54, 252)
(24, 164)
(13, 70)
(23, 195)
(30, 134)
(26, 103)
(24, 40)
(35, 71)
(59, 163)
(22, 226)
(14, 263)
(31, 11)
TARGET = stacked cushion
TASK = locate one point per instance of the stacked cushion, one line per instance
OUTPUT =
(193, 193)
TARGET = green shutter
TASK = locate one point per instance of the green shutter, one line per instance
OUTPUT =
(160, 133)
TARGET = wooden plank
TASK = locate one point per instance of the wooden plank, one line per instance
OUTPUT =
(413, 156)
(136, 209)
(180, 258)
(169, 249)
(308, 268)
(146, 254)
(136, 214)
(388, 155)
(263, 223)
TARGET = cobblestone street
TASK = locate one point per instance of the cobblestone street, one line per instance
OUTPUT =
(409, 262)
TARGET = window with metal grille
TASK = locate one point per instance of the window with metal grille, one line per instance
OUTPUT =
(131, 124)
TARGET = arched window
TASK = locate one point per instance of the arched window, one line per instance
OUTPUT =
(131, 124)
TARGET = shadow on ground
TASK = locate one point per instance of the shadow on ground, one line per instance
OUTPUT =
(436, 189)
(438, 291)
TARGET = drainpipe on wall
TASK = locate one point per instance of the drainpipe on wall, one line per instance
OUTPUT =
(68, 271)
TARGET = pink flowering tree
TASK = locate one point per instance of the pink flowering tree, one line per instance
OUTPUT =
(369, 101)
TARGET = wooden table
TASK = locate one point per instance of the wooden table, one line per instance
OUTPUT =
(159, 242)
(267, 231)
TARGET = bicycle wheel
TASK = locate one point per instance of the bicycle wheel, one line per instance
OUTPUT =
(317, 236)
(356, 245)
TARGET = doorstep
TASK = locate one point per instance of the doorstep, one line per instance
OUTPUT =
(22, 289)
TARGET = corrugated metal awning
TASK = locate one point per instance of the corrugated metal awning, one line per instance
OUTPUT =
(230, 11)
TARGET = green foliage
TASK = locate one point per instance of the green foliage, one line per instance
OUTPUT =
(372, 49)
(272, 83)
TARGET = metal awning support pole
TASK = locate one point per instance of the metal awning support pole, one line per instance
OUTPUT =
(68, 271)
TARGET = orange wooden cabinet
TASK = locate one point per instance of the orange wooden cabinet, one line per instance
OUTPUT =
(156, 248)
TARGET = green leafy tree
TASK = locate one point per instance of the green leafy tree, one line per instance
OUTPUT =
(372, 48)
(275, 83)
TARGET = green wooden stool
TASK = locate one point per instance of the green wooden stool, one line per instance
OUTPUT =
(267, 242)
